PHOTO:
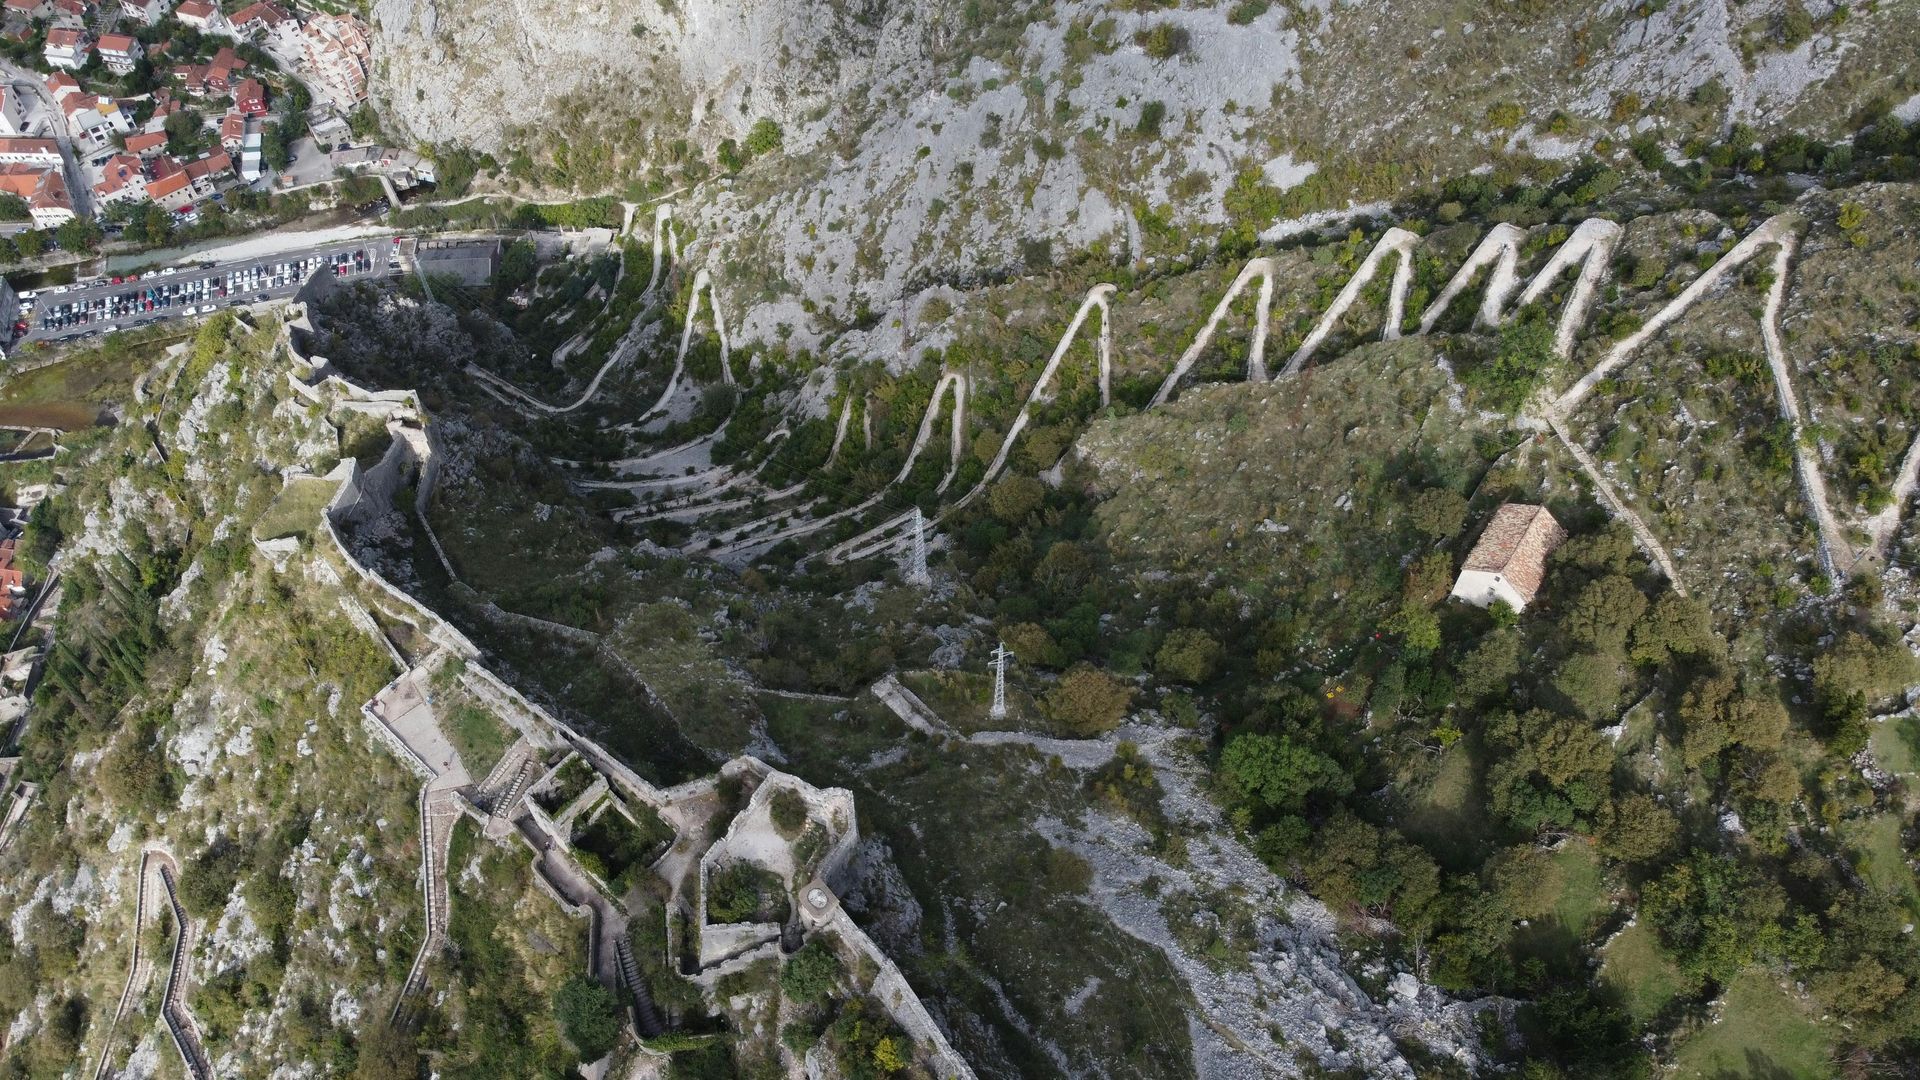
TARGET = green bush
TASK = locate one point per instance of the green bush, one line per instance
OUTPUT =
(788, 811)
(588, 1014)
(811, 974)
(1163, 40)
(764, 136)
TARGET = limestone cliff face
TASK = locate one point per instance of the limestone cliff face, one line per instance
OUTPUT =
(935, 140)
(481, 74)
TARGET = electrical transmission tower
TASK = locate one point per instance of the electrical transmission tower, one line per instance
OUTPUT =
(1000, 658)
(917, 566)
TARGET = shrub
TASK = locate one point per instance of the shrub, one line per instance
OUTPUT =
(811, 974)
(1505, 116)
(1246, 11)
(586, 1011)
(1796, 24)
(1188, 655)
(1088, 701)
(1163, 40)
(788, 811)
(1152, 115)
(764, 136)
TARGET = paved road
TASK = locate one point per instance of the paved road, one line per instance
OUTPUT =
(30, 82)
(48, 301)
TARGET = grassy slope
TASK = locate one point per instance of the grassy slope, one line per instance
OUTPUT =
(1762, 1031)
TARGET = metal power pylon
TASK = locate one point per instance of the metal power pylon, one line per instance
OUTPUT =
(1000, 658)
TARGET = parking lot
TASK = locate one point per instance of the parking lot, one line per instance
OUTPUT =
(104, 305)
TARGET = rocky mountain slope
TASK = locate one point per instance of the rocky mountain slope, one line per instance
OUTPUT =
(899, 144)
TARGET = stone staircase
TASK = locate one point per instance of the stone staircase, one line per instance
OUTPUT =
(509, 779)
(646, 1016)
(439, 811)
(186, 1037)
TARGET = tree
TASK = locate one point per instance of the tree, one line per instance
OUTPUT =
(276, 146)
(1638, 829)
(811, 974)
(1490, 667)
(1604, 612)
(1590, 682)
(1278, 773)
(1033, 645)
(887, 1055)
(1188, 655)
(1717, 915)
(1856, 664)
(31, 243)
(1675, 625)
(1551, 773)
(386, 1053)
(186, 131)
(1417, 626)
(1437, 512)
(1526, 879)
(78, 234)
(1014, 497)
(135, 775)
(1355, 865)
(587, 1014)
(1088, 701)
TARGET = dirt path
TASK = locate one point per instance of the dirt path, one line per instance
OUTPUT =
(1393, 242)
(951, 382)
(1649, 543)
(1257, 351)
(1835, 556)
(1882, 527)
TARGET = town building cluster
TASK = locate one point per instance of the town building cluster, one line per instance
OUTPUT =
(78, 145)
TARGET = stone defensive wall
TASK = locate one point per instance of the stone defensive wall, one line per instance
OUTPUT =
(369, 493)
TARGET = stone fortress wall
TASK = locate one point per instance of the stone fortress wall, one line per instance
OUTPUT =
(364, 494)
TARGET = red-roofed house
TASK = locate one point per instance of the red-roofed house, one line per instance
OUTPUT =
(167, 183)
(68, 48)
(250, 98)
(1509, 562)
(122, 179)
(10, 576)
(29, 152)
(60, 84)
(120, 52)
(202, 15)
(216, 77)
(45, 190)
(32, 9)
(147, 143)
(176, 186)
(268, 23)
(233, 130)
